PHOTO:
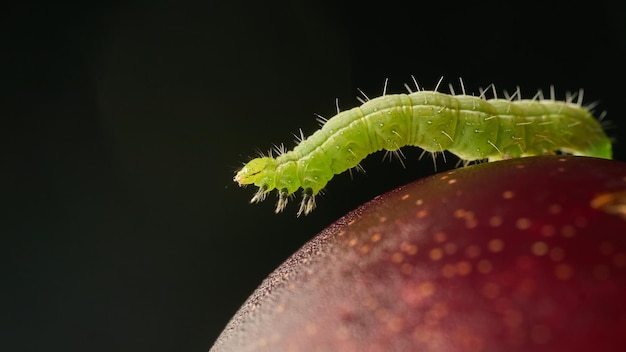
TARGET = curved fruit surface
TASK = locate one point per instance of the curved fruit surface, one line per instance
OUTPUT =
(517, 255)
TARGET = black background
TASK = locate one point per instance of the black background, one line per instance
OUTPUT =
(122, 125)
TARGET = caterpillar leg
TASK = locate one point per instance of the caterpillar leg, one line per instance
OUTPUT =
(283, 197)
(308, 202)
(259, 196)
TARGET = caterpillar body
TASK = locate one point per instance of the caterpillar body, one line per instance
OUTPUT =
(471, 127)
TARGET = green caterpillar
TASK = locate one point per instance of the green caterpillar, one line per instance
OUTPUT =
(471, 127)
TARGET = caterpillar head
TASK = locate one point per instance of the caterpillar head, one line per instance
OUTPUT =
(260, 172)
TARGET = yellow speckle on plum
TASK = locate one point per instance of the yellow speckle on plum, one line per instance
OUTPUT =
(619, 260)
(427, 289)
(397, 257)
(601, 272)
(450, 248)
(548, 230)
(440, 237)
(555, 208)
(563, 272)
(568, 231)
(448, 271)
(463, 268)
(491, 290)
(406, 269)
(540, 334)
(436, 254)
(408, 248)
(311, 329)
(472, 251)
(495, 245)
(539, 248)
(557, 254)
(513, 318)
(522, 224)
(606, 248)
(484, 266)
(495, 221)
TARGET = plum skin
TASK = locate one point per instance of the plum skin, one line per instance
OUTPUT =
(515, 255)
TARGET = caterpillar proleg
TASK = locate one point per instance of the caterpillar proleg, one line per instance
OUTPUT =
(471, 127)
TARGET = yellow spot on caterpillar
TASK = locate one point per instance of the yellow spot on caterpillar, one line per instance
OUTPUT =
(376, 237)
(452, 181)
(365, 249)
(353, 242)
(508, 194)
(405, 197)
(419, 202)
